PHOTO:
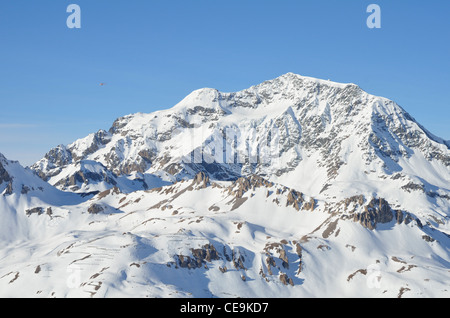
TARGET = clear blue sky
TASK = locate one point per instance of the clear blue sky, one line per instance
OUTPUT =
(152, 53)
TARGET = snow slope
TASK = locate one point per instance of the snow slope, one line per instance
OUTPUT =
(21, 191)
(234, 239)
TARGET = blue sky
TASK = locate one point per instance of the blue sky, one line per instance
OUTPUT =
(152, 53)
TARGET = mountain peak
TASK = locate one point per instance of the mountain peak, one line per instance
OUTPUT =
(281, 92)
(319, 131)
(296, 78)
(205, 97)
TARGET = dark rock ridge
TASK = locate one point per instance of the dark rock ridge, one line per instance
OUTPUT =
(371, 213)
(95, 208)
(4, 176)
(39, 211)
(243, 184)
(201, 179)
(199, 257)
(378, 211)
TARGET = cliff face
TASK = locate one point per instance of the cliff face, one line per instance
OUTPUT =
(4, 176)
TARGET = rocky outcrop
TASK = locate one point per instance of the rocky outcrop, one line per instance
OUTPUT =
(96, 141)
(428, 238)
(311, 205)
(25, 189)
(354, 201)
(95, 208)
(411, 186)
(244, 184)
(377, 211)
(277, 261)
(199, 257)
(286, 280)
(59, 156)
(206, 253)
(295, 199)
(9, 189)
(299, 251)
(201, 179)
(4, 176)
(37, 210)
(84, 177)
(238, 260)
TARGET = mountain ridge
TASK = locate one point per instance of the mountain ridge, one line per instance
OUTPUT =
(295, 187)
(310, 110)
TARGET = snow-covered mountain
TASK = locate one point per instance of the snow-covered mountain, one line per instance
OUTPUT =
(294, 187)
(331, 136)
(22, 193)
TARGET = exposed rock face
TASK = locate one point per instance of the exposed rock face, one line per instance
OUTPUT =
(37, 210)
(377, 211)
(85, 177)
(199, 258)
(250, 183)
(411, 186)
(238, 260)
(201, 179)
(60, 156)
(4, 176)
(295, 199)
(299, 250)
(277, 261)
(399, 216)
(354, 200)
(310, 205)
(428, 238)
(370, 213)
(239, 187)
(285, 279)
(25, 189)
(207, 253)
(9, 189)
(95, 208)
